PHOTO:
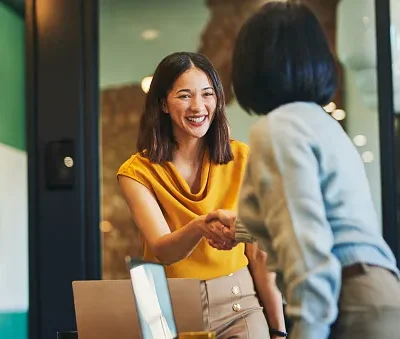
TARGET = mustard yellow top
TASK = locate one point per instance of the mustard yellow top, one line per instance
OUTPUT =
(219, 188)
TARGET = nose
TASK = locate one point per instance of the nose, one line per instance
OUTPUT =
(196, 104)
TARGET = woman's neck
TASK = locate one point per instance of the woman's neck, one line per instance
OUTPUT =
(190, 151)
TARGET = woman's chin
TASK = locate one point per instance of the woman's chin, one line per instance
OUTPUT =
(198, 132)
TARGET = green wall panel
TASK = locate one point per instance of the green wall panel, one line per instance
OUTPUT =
(13, 325)
(12, 79)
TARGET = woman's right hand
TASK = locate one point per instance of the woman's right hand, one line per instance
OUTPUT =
(225, 247)
(216, 233)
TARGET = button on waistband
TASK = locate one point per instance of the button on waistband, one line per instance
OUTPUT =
(235, 290)
(236, 307)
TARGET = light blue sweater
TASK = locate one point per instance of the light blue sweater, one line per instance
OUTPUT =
(306, 198)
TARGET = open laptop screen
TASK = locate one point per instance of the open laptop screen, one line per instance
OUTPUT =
(153, 301)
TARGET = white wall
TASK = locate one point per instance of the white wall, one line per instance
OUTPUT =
(13, 230)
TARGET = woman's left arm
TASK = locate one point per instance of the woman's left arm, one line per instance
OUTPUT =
(267, 291)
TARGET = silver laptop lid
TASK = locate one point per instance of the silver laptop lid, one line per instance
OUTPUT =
(153, 300)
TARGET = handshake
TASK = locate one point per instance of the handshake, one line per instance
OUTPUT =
(223, 230)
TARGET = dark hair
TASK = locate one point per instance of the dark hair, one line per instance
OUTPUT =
(282, 56)
(156, 140)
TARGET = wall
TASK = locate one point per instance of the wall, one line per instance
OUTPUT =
(13, 180)
(125, 57)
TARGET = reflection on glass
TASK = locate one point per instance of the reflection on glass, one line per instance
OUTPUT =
(153, 301)
(360, 56)
(356, 49)
(360, 140)
(395, 42)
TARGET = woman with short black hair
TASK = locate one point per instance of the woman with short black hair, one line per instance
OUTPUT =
(305, 195)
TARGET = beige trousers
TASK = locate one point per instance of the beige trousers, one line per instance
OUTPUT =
(369, 306)
(231, 307)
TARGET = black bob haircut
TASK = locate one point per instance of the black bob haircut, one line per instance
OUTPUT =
(282, 56)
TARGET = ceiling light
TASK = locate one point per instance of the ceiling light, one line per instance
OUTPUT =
(106, 226)
(360, 140)
(146, 82)
(367, 156)
(339, 114)
(366, 20)
(330, 107)
(150, 34)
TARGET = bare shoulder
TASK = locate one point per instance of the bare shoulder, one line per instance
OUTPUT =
(145, 210)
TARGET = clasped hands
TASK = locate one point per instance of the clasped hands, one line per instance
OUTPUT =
(219, 229)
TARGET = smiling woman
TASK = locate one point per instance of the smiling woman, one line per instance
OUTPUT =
(187, 167)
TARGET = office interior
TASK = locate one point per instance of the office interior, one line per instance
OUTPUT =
(74, 77)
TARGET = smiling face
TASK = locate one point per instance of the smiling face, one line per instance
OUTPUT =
(191, 104)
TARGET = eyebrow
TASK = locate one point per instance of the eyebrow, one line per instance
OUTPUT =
(188, 90)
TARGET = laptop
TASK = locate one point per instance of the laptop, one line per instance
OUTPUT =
(153, 300)
(108, 308)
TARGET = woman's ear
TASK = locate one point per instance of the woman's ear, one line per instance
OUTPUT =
(164, 107)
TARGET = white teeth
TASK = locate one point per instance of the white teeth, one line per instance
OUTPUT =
(200, 119)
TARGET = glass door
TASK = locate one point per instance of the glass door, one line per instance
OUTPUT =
(395, 101)
(363, 37)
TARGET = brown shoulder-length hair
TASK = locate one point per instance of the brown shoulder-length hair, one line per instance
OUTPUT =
(156, 140)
